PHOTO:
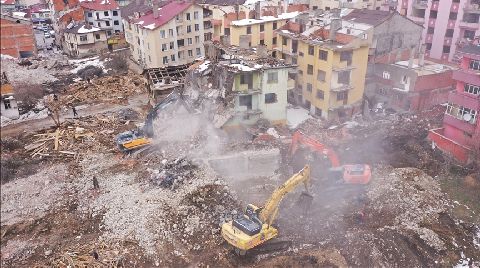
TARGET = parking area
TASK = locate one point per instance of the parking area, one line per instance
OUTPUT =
(44, 37)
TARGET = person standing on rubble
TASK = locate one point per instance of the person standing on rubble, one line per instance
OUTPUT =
(75, 114)
(96, 186)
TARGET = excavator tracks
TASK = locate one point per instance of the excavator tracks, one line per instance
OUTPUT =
(267, 247)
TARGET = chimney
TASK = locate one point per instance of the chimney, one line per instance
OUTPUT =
(155, 11)
(335, 25)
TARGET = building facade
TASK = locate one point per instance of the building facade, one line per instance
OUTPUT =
(17, 38)
(460, 135)
(447, 24)
(261, 31)
(169, 35)
(84, 40)
(103, 14)
(332, 64)
(357, 4)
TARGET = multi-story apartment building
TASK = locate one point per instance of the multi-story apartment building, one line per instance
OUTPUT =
(460, 134)
(447, 24)
(84, 40)
(332, 63)
(358, 4)
(261, 31)
(103, 14)
(169, 35)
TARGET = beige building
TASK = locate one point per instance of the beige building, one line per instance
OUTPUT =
(169, 35)
(84, 40)
(332, 62)
(358, 4)
(262, 31)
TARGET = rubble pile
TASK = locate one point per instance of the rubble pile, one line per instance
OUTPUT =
(75, 137)
(114, 89)
(412, 199)
(173, 173)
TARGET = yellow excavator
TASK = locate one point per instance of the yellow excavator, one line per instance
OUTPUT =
(254, 228)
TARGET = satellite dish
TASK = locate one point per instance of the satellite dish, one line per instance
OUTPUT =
(467, 117)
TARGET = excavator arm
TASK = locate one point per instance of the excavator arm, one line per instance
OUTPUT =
(269, 211)
(300, 138)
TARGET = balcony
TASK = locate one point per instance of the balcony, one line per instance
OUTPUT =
(467, 76)
(431, 22)
(340, 88)
(447, 41)
(458, 123)
(420, 4)
(434, 6)
(472, 8)
(429, 38)
(454, 7)
(468, 25)
(471, 102)
(451, 24)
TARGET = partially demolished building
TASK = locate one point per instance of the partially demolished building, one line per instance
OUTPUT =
(246, 85)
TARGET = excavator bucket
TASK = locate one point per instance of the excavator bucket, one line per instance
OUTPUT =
(305, 202)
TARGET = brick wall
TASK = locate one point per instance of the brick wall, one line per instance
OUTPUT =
(16, 37)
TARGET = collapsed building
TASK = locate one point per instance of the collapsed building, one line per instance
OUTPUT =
(245, 85)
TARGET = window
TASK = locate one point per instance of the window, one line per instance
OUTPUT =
(164, 47)
(346, 56)
(170, 32)
(83, 38)
(344, 77)
(320, 94)
(270, 98)
(446, 49)
(115, 22)
(449, 33)
(109, 33)
(172, 57)
(430, 30)
(197, 39)
(307, 104)
(165, 60)
(311, 50)
(274, 25)
(180, 43)
(162, 34)
(433, 14)
(474, 65)
(428, 46)
(309, 69)
(197, 27)
(149, 59)
(227, 31)
(190, 53)
(323, 55)
(188, 16)
(107, 23)
(199, 52)
(189, 28)
(321, 75)
(284, 41)
(262, 27)
(189, 41)
(472, 89)
(6, 103)
(97, 36)
(249, 30)
(179, 30)
(262, 42)
(105, 13)
(172, 45)
(274, 41)
(300, 54)
(469, 34)
(453, 16)
(272, 78)
(98, 24)
(318, 112)
(342, 95)
(91, 23)
(115, 13)
(245, 101)
(180, 55)
(195, 15)
(89, 14)
(309, 87)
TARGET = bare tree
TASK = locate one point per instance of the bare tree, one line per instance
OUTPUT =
(28, 95)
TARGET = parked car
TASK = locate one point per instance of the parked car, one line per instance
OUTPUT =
(47, 35)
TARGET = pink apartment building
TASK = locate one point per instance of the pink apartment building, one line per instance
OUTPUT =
(460, 134)
(447, 24)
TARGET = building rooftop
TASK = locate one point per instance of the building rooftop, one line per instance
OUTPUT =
(221, 2)
(7, 2)
(263, 19)
(165, 14)
(141, 7)
(99, 5)
(82, 29)
(429, 67)
(370, 17)
(470, 49)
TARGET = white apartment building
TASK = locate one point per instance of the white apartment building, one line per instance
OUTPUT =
(103, 14)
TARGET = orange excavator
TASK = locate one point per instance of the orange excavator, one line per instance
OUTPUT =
(307, 150)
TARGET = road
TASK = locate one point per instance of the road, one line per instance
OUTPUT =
(42, 42)
(44, 123)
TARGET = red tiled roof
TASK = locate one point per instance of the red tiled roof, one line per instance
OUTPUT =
(99, 5)
(165, 14)
(8, 2)
(76, 15)
(59, 5)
